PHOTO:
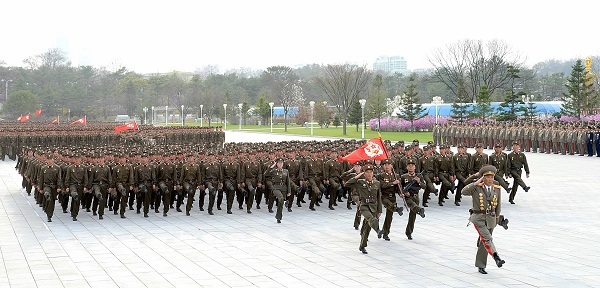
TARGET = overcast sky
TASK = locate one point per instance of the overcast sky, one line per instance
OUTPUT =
(161, 36)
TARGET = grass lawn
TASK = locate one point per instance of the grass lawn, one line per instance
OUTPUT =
(330, 132)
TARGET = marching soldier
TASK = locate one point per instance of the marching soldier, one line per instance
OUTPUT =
(462, 170)
(50, 181)
(166, 176)
(98, 181)
(369, 193)
(389, 186)
(212, 176)
(232, 179)
(411, 184)
(499, 160)
(123, 182)
(191, 176)
(144, 178)
(252, 175)
(74, 183)
(485, 215)
(294, 167)
(332, 171)
(516, 162)
(281, 185)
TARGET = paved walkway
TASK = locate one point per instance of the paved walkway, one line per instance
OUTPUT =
(550, 243)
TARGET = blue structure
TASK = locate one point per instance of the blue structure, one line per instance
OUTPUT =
(548, 108)
(292, 111)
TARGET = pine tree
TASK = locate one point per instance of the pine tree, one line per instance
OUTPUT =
(580, 96)
(355, 114)
(483, 108)
(460, 107)
(512, 105)
(411, 110)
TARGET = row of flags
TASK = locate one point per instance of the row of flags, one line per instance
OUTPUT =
(82, 121)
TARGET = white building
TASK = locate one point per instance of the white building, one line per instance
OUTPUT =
(390, 64)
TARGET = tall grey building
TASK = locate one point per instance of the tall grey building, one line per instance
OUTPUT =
(390, 64)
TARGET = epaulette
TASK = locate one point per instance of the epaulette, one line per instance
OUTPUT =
(497, 186)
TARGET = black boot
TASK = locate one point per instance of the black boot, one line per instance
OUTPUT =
(499, 262)
(399, 210)
(363, 250)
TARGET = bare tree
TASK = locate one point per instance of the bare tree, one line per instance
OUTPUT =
(475, 62)
(343, 84)
(283, 84)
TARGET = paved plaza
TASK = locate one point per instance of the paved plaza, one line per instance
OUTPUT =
(550, 243)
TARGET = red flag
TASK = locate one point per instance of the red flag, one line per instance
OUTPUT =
(24, 118)
(128, 126)
(55, 121)
(374, 149)
(38, 112)
(81, 121)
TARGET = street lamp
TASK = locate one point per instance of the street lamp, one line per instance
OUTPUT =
(201, 106)
(362, 107)
(166, 115)
(312, 115)
(240, 106)
(271, 105)
(145, 110)
(225, 109)
(6, 87)
(437, 100)
(152, 115)
(69, 114)
(182, 117)
(528, 100)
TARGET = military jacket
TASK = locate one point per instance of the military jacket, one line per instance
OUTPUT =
(485, 207)
(369, 193)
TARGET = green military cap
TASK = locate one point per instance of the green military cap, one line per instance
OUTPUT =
(461, 145)
(478, 145)
(408, 147)
(429, 142)
(416, 141)
(498, 145)
(368, 167)
(386, 161)
(487, 170)
(411, 160)
(279, 159)
(515, 143)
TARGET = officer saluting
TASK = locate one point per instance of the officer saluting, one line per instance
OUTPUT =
(369, 193)
(485, 214)
(281, 185)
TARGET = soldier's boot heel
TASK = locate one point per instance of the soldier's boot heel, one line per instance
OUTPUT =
(399, 210)
(499, 262)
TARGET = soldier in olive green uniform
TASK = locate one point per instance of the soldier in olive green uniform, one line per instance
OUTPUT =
(212, 176)
(281, 185)
(74, 183)
(485, 215)
(98, 181)
(369, 193)
(123, 182)
(232, 179)
(332, 170)
(50, 181)
(191, 174)
(389, 186)
(516, 162)
(144, 178)
(411, 184)
(166, 176)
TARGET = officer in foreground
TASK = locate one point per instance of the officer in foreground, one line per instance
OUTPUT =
(485, 215)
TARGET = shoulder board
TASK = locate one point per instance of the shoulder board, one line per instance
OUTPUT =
(497, 186)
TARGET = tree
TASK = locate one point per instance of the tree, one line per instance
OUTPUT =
(336, 120)
(476, 64)
(355, 114)
(343, 84)
(262, 108)
(411, 110)
(20, 103)
(580, 96)
(460, 106)
(377, 100)
(322, 114)
(512, 105)
(283, 86)
(483, 108)
(303, 115)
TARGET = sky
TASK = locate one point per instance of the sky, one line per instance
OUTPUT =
(162, 36)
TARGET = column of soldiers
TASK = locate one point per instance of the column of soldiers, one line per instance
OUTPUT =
(13, 136)
(558, 137)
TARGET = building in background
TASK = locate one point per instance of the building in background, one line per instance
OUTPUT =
(390, 65)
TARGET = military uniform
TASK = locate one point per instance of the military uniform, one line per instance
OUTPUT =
(516, 162)
(369, 193)
(485, 216)
(389, 188)
(281, 185)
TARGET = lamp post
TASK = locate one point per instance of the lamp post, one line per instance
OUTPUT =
(166, 115)
(437, 100)
(271, 105)
(182, 117)
(152, 115)
(528, 100)
(312, 115)
(240, 106)
(69, 114)
(201, 115)
(225, 109)
(145, 110)
(6, 87)
(362, 107)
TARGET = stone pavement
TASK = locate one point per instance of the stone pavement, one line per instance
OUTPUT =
(553, 230)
